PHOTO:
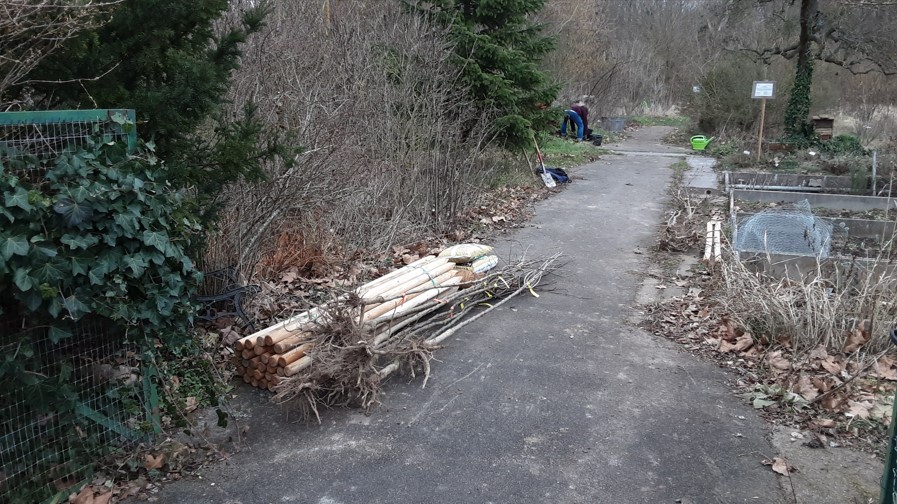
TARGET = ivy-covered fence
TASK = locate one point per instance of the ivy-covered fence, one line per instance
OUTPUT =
(94, 278)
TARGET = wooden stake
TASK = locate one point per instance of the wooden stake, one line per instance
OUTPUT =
(427, 277)
(762, 120)
(291, 343)
(708, 240)
(394, 284)
(451, 280)
(362, 291)
(297, 366)
(293, 355)
(717, 241)
(284, 334)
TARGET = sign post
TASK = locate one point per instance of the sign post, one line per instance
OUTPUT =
(762, 90)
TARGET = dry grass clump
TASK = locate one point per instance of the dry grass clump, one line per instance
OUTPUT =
(844, 306)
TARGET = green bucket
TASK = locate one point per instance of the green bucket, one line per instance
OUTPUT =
(700, 142)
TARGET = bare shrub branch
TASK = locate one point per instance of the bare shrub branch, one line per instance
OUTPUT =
(30, 30)
(371, 95)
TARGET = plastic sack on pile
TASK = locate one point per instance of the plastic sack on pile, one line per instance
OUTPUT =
(465, 252)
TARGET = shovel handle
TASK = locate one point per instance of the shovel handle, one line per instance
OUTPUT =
(538, 152)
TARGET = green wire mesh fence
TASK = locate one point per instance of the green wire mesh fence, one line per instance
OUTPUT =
(65, 402)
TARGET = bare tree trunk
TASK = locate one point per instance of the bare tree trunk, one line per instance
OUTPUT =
(809, 10)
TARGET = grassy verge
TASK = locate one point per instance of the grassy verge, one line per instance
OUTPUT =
(564, 153)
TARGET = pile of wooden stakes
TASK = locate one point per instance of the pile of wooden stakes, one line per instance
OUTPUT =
(267, 357)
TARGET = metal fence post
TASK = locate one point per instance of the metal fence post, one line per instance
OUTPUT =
(889, 478)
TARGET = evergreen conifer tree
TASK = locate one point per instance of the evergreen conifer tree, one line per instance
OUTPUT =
(171, 60)
(498, 49)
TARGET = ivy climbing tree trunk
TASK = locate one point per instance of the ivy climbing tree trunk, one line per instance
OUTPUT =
(797, 128)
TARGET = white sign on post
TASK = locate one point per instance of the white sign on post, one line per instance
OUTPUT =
(763, 90)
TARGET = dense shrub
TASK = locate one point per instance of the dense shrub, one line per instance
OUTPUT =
(844, 144)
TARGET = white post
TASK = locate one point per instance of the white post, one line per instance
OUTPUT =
(874, 171)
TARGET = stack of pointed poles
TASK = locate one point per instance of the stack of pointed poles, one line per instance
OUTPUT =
(264, 359)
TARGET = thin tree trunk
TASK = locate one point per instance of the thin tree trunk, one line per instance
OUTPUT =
(798, 109)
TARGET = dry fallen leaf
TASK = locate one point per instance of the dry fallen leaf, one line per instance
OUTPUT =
(821, 384)
(725, 346)
(859, 409)
(834, 401)
(85, 496)
(857, 337)
(750, 353)
(744, 342)
(780, 466)
(823, 423)
(190, 404)
(806, 388)
(818, 353)
(153, 462)
(831, 365)
(884, 368)
(741, 344)
(102, 499)
(777, 362)
(729, 330)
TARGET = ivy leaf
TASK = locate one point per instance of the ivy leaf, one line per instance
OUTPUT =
(127, 222)
(76, 309)
(5, 213)
(73, 213)
(136, 263)
(57, 333)
(49, 252)
(32, 299)
(79, 194)
(80, 265)
(96, 277)
(18, 199)
(23, 280)
(102, 266)
(13, 245)
(55, 306)
(79, 241)
(50, 272)
(158, 239)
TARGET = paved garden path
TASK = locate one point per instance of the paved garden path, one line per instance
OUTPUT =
(551, 400)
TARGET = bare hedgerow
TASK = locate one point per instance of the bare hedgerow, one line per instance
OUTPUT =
(373, 99)
(30, 30)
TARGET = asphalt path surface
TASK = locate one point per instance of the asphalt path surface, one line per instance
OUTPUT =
(556, 399)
